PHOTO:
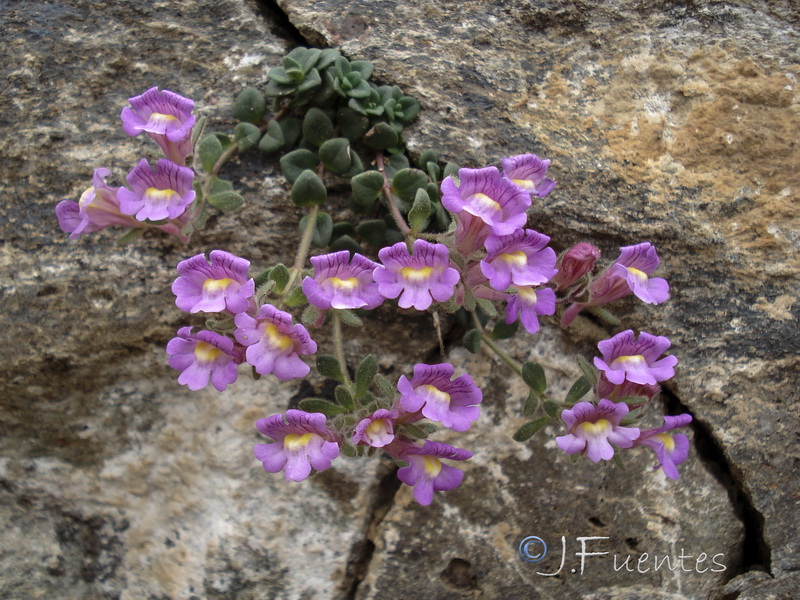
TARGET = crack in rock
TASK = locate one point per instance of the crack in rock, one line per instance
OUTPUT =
(756, 552)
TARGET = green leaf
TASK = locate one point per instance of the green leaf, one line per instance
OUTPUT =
(291, 129)
(280, 275)
(587, 369)
(363, 67)
(342, 228)
(310, 58)
(534, 377)
(311, 81)
(526, 432)
(335, 155)
(273, 140)
(633, 400)
(341, 66)
(323, 229)
(433, 191)
(345, 242)
(246, 136)
(317, 126)
(409, 107)
(262, 277)
(328, 56)
(503, 330)
(365, 373)
(328, 366)
(348, 450)
(388, 391)
(472, 340)
(367, 187)
(319, 405)
(310, 315)
(344, 397)
(350, 318)
(220, 185)
(250, 106)
(130, 236)
(308, 189)
(278, 75)
(296, 298)
(551, 408)
(531, 403)
(450, 169)
(199, 129)
(293, 59)
(406, 183)
(486, 307)
(415, 432)
(618, 461)
(226, 200)
(419, 215)
(604, 315)
(380, 137)
(578, 390)
(428, 156)
(209, 150)
(352, 124)
(396, 162)
(356, 166)
(373, 232)
(294, 163)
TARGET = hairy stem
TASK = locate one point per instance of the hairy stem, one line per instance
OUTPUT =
(302, 252)
(501, 354)
(338, 350)
(387, 192)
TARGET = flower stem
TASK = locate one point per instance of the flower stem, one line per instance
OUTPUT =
(338, 350)
(501, 354)
(302, 251)
(387, 192)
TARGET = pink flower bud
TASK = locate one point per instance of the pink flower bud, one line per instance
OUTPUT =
(575, 263)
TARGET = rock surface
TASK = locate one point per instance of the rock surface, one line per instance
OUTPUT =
(670, 122)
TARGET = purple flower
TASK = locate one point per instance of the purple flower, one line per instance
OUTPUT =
(161, 194)
(471, 233)
(377, 430)
(452, 403)
(574, 264)
(97, 209)
(302, 441)
(637, 361)
(166, 117)
(426, 473)
(520, 259)
(671, 449)
(614, 392)
(342, 282)
(202, 356)
(489, 196)
(215, 287)
(528, 172)
(593, 429)
(629, 273)
(422, 278)
(274, 345)
(528, 304)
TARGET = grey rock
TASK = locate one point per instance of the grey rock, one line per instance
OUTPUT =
(674, 123)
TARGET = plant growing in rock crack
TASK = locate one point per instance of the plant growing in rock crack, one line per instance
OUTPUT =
(450, 241)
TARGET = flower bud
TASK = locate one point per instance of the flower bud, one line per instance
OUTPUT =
(575, 263)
